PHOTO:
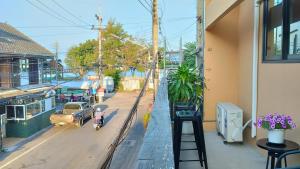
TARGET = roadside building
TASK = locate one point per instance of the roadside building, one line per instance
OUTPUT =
(26, 98)
(252, 59)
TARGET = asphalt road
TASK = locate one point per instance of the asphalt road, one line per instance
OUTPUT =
(69, 147)
(126, 153)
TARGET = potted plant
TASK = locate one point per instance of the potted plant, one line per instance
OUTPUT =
(184, 85)
(276, 124)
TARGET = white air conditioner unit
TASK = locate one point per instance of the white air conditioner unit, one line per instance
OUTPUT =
(230, 122)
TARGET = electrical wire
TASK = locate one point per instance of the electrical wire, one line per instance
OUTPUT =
(70, 13)
(41, 27)
(53, 35)
(56, 13)
(183, 31)
(141, 3)
(150, 6)
(49, 13)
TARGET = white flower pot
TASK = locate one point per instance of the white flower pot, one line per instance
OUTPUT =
(276, 136)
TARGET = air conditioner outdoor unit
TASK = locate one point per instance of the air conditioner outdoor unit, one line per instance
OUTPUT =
(230, 122)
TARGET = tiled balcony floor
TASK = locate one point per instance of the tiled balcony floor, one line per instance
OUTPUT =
(222, 156)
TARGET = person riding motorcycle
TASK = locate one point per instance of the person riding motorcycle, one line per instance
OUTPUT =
(99, 117)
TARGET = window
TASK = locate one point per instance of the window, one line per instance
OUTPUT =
(49, 104)
(53, 102)
(15, 112)
(282, 30)
(19, 112)
(2, 109)
(43, 105)
(33, 109)
(24, 72)
(10, 112)
(294, 20)
(72, 106)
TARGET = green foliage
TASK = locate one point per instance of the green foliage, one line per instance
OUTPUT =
(184, 84)
(118, 52)
(81, 57)
(189, 54)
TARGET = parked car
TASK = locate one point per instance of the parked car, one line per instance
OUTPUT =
(73, 113)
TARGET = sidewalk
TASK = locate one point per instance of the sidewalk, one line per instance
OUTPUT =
(12, 143)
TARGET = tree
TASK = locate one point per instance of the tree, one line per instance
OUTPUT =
(119, 52)
(82, 57)
(189, 53)
(112, 45)
(120, 49)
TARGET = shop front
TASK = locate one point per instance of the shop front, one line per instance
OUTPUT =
(26, 116)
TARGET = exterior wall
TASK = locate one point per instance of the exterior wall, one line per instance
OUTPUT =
(130, 84)
(278, 91)
(221, 65)
(5, 69)
(216, 9)
(245, 40)
(278, 83)
(228, 62)
(25, 128)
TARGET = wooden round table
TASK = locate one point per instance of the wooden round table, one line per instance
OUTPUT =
(275, 150)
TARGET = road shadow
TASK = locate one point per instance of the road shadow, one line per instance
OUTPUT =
(110, 116)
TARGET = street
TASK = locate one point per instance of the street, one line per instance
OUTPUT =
(64, 147)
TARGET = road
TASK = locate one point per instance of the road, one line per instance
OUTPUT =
(69, 147)
(133, 142)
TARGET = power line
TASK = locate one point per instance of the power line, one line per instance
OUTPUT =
(184, 30)
(34, 5)
(150, 6)
(70, 13)
(180, 18)
(145, 7)
(54, 12)
(48, 13)
(45, 35)
(42, 27)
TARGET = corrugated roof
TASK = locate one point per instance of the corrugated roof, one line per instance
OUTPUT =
(13, 41)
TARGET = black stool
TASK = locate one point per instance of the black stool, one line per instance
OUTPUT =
(196, 119)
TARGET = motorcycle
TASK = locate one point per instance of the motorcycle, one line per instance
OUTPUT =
(98, 121)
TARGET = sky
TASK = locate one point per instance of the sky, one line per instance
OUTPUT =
(68, 22)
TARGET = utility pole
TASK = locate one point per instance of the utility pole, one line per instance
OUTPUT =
(99, 18)
(56, 62)
(155, 42)
(165, 51)
(200, 36)
(180, 51)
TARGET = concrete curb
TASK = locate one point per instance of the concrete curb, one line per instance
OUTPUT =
(26, 140)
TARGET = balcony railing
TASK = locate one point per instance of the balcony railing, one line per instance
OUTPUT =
(157, 147)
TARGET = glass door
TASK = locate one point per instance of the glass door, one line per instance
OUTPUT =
(24, 75)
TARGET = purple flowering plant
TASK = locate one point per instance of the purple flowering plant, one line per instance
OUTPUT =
(275, 121)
